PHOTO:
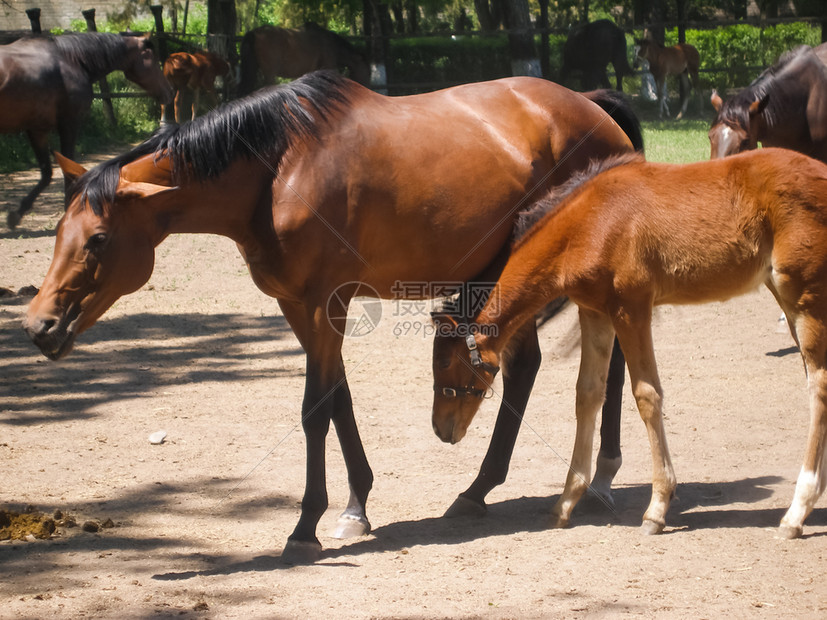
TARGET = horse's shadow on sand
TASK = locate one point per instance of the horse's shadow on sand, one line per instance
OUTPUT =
(700, 506)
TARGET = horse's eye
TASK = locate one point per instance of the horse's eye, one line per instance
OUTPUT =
(96, 242)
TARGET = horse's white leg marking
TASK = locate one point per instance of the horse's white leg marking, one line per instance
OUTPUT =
(597, 338)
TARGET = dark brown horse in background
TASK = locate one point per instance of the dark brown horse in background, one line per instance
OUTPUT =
(46, 85)
(332, 191)
(190, 75)
(589, 48)
(268, 52)
(681, 60)
(785, 106)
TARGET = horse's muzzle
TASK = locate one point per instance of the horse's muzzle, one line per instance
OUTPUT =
(50, 336)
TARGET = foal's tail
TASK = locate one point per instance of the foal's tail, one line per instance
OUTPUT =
(249, 64)
(617, 106)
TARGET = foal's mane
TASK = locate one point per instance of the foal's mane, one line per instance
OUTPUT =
(770, 81)
(96, 52)
(263, 124)
(557, 195)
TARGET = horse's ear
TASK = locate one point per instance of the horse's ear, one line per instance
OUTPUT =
(71, 170)
(440, 318)
(139, 189)
(716, 100)
(757, 106)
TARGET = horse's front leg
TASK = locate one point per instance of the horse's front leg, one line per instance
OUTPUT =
(40, 144)
(519, 368)
(597, 336)
(326, 398)
(813, 476)
(635, 337)
(353, 521)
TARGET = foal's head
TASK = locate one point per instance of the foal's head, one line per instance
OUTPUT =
(102, 252)
(463, 373)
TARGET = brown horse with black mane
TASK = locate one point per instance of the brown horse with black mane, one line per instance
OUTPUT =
(331, 191)
(46, 85)
(638, 235)
(785, 106)
(268, 52)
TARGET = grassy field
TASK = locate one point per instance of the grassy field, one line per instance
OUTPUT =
(677, 142)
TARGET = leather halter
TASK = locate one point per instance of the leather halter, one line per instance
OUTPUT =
(476, 362)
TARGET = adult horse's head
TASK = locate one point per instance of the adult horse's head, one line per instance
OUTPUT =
(103, 250)
(734, 129)
(142, 67)
(463, 373)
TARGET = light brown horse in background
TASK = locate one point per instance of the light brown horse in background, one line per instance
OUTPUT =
(331, 191)
(192, 74)
(268, 52)
(642, 234)
(681, 60)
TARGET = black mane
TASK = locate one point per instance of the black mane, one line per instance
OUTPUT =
(97, 53)
(771, 81)
(261, 125)
(548, 203)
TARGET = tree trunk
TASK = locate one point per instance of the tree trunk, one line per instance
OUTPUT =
(524, 60)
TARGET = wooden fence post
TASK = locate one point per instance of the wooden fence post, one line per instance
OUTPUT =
(34, 20)
(108, 110)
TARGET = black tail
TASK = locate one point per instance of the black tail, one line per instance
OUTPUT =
(617, 106)
(249, 64)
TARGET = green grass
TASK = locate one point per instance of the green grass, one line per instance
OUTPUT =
(676, 142)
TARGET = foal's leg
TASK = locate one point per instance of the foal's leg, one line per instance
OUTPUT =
(597, 336)
(636, 339)
(519, 368)
(685, 89)
(812, 335)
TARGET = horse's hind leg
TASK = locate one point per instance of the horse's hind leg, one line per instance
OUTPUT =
(519, 368)
(609, 458)
(812, 336)
(597, 336)
(636, 339)
(40, 145)
(686, 90)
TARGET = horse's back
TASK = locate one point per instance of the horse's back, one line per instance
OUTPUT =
(455, 164)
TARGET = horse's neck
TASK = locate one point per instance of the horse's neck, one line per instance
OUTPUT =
(530, 279)
(222, 206)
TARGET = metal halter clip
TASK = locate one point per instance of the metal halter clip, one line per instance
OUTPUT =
(471, 343)
(449, 392)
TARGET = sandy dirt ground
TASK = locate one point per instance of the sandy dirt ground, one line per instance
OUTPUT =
(200, 520)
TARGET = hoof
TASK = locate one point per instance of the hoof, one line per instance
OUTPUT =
(559, 523)
(599, 496)
(301, 552)
(651, 528)
(351, 527)
(13, 219)
(790, 531)
(464, 507)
